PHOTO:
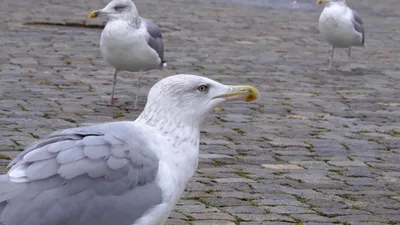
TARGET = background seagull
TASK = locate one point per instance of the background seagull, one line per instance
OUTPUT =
(129, 42)
(340, 26)
(117, 173)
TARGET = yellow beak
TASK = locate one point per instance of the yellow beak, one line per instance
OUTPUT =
(320, 2)
(240, 92)
(93, 14)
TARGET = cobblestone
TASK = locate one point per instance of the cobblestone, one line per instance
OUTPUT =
(318, 148)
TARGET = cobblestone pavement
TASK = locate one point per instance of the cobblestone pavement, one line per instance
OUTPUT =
(317, 148)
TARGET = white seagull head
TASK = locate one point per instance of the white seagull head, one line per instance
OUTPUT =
(117, 9)
(342, 2)
(190, 98)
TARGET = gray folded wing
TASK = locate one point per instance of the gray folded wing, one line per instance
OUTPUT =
(358, 25)
(98, 175)
(155, 38)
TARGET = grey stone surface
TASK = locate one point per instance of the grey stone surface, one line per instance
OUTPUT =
(318, 147)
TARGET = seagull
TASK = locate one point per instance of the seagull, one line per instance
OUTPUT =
(129, 42)
(340, 26)
(120, 173)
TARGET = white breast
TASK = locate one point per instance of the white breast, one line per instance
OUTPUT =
(336, 27)
(177, 165)
(127, 49)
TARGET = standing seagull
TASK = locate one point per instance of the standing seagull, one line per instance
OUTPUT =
(129, 42)
(340, 26)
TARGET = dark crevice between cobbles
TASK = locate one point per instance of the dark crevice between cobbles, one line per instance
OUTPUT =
(65, 24)
(15, 142)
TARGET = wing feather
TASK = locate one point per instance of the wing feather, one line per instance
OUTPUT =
(75, 168)
(38, 154)
(96, 151)
(70, 155)
(155, 39)
(116, 163)
(63, 145)
(42, 169)
(358, 26)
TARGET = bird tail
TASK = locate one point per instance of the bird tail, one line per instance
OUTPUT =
(163, 64)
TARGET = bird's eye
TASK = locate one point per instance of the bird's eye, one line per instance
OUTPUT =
(119, 7)
(203, 88)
